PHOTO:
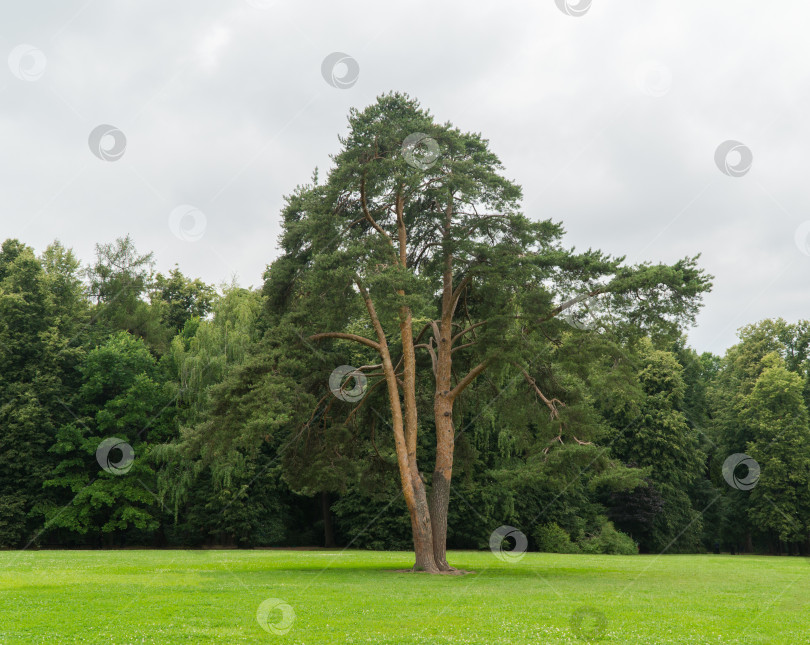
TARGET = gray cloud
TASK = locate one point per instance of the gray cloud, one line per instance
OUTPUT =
(224, 108)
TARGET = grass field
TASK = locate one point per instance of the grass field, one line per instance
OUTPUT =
(355, 597)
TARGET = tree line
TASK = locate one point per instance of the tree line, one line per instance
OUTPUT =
(422, 366)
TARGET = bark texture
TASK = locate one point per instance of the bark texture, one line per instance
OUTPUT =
(328, 530)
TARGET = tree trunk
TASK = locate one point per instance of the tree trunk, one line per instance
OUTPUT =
(443, 472)
(443, 408)
(328, 530)
(439, 503)
(418, 505)
(413, 488)
(423, 538)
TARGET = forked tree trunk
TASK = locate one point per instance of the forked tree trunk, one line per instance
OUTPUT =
(418, 506)
(423, 539)
(405, 429)
(439, 504)
(421, 526)
(413, 488)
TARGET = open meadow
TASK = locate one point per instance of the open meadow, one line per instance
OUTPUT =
(208, 596)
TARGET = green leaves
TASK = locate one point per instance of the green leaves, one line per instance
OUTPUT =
(780, 443)
(122, 395)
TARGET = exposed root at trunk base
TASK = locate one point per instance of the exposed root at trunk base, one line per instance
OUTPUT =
(444, 567)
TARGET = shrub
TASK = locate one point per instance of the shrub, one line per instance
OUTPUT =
(551, 538)
(609, 541)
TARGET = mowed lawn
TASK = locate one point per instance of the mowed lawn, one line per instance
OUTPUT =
(213, 596)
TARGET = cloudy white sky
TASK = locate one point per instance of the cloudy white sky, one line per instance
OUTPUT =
(609, 120)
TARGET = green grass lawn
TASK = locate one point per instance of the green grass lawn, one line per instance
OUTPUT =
(354, 597)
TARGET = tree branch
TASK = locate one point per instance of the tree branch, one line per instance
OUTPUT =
(470, 328)
(465, 345)
(570, 303)
(337, 334)
(482, 218)
(364, 399)
(551, 404)
(366, 212)
(372, 312)
(458, 290)
(463, 383)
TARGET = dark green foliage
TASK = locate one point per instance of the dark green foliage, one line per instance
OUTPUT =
(41, 314)
(180, 298)
(635, 512)
(551, 538)
(591, 440)
(609, 541)
(253, 509)
(122, 395)
(758, 406)
(378, 522)
(232, 398)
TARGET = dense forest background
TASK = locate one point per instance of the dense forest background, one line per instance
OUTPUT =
(236, 439)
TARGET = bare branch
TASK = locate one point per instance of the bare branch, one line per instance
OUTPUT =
(570, 303)
(337, 334)
(436, 333)
(401, 232)
(364, 399)
(368, 367)
(551, 404)
(470, 328)
(463, 383)
(459, 289)
(424, 329)
(372, 312)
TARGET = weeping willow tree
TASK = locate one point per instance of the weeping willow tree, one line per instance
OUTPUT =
(203, 354)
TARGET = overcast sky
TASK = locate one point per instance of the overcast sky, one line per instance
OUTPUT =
(609, 118)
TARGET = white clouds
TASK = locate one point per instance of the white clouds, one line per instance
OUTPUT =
(224, 107)
(211, 46)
